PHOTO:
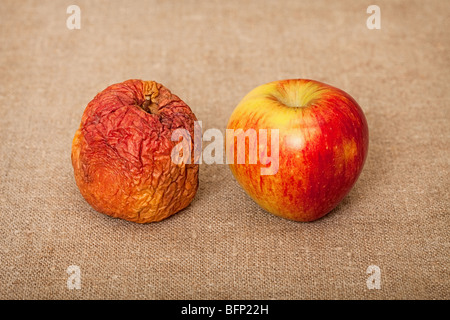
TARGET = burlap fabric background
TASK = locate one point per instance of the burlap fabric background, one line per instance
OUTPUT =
(211, 53)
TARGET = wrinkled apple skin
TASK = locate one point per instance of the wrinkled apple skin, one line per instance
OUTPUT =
(121, 153)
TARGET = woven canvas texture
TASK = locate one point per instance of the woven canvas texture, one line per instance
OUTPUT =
(223, 246)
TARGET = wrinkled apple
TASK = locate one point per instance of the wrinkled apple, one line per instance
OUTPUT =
(121, 153)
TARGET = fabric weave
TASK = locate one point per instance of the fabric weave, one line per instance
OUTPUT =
(223, 246)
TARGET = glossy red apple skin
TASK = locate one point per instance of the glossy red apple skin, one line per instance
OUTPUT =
(323, 145)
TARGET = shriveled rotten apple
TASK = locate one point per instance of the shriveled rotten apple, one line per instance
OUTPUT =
(121, 153)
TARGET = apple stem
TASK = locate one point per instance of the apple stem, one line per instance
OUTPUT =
(149, 107)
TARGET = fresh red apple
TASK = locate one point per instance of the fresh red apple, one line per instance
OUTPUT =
(321, 147)
(121, 153)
